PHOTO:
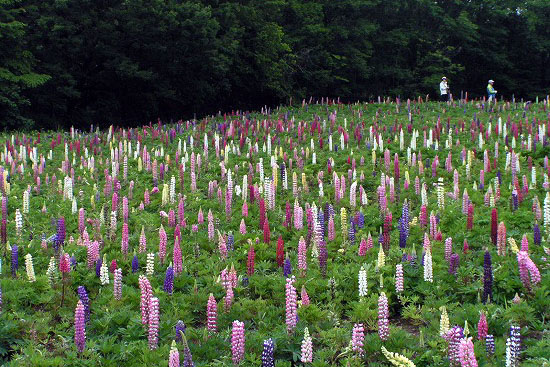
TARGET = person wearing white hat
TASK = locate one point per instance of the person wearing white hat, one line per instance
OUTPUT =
(491, 92)
(444, 89)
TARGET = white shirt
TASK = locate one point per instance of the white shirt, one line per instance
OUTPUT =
(443, 86)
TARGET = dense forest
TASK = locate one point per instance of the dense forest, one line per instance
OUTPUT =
(68, 62)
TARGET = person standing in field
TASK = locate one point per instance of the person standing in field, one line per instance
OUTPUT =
(491, 92)
(444, 89)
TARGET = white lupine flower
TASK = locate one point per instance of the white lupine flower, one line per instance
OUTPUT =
(173, 190)
(18, 222)
(74, 207)
(363, 286)
(150, 267)
(52, 271)
(30, 268)
(104, 272)
(428, 275)
(440, 193)
(547, 210)
(26, 201)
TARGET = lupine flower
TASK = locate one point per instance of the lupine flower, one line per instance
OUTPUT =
(482, 327)
(307, 348)
(79, 327)
(304, 296)
(399, 278)
(487, 278)
(490, 344)
(528, 271)
(494, 225)
(30, 268)
(135, 264)
(187, 357)
(536, 234)
(242, 227)
(466, 353)
(64, 265)
(501, 239)
(302, 255)
(174, 358)
(169, 280)
(453, 336)
(222, 246)
(363, 286)
(470, 221)
(444, 321)
(152, 335)
(397, 359)
(212, 313)
(83, 296)
(146, 294)
(291, 305)
(383, 317)
(287, 268)
(237, 342)
(250, 260)
(323, 257)
(448, 248)
(142, 241)
(267, 354)
(453, 263)
(280, 251)
(513, 345)
(180, 330)
(125, 239)
(357, 339)
(178, 260)
(428, 272)
(14, 259)
(162, 243)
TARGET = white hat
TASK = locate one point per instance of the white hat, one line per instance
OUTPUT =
(491, 81)
(444, 78)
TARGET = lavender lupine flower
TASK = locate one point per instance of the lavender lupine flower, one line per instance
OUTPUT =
(180, 330)
(357, 339)
(14, 259)
(490, 344)
(267, 354)
(287, 268)
(83, 296)
(135, 264)
(169, 280)
(453, 263)
(487, 278)
(79, 327)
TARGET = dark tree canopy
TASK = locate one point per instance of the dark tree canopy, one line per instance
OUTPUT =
(67, 62)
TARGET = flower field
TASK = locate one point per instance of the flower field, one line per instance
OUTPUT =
(325, 234)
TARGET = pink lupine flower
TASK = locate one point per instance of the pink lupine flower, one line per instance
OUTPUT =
(237, 342)
(64, 263)
(242, 227)
(81, 220)
(153, 323)
(331, 233)
(162, 244)
(466, 247)
(212, 313)
(501, 239)
(427, 244)
(524, 244)
(93, 254)
(291, 305)
(80, 327)
(200, 216)
(399, 278)
(244, 210)
(448, 248)
(172, 218)
(528, 271)
(482, 327)
(146, 198)
(466, 353)
(142, 241)
(362, 247)
(146, 294)
(383, 317)
(357, 339)
(125, 239)
(178, 261)
(195, 228)
(304, 296)
(222, 246)
(174, 358)
(302, 255)
(307, 348)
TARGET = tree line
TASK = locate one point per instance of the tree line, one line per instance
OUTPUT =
(76, 62)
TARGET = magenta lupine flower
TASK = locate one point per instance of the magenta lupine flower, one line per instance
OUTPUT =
(383, 317)
(250, 260)
(244, 210)
(117, 285)
(482, 327)
(302, 255)
(423, 217)
(114, 202)
(64, 263)
(152, 335)
(524, 244)
(178, 260)
(125, 239)
(181, 210)
(212, 313)
(81, 220)
(466, 353)
(237, 342)
(125, 209)
(142, 241)
(162, 244)
(304, 296)
(146, 294)
(399, 278)
(362, 247)
(79, 327)
(357, 339)
(291, 305)
(172, 218)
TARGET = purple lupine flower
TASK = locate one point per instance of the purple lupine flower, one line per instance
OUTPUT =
(83, 296)
(351, 233)
(98, 264)
(14, 259)
(180, 330)
(490, 344)
(267, 354)
(72, 261)
(321, 220)
(245, 281)
(402, 233)
(169, 280)
(453, 336)
(323, 256)
(135, 264)
(287, 268)
(536, 234)
(487, 278)
(61, 233)
(453, 263)
(230, 243)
